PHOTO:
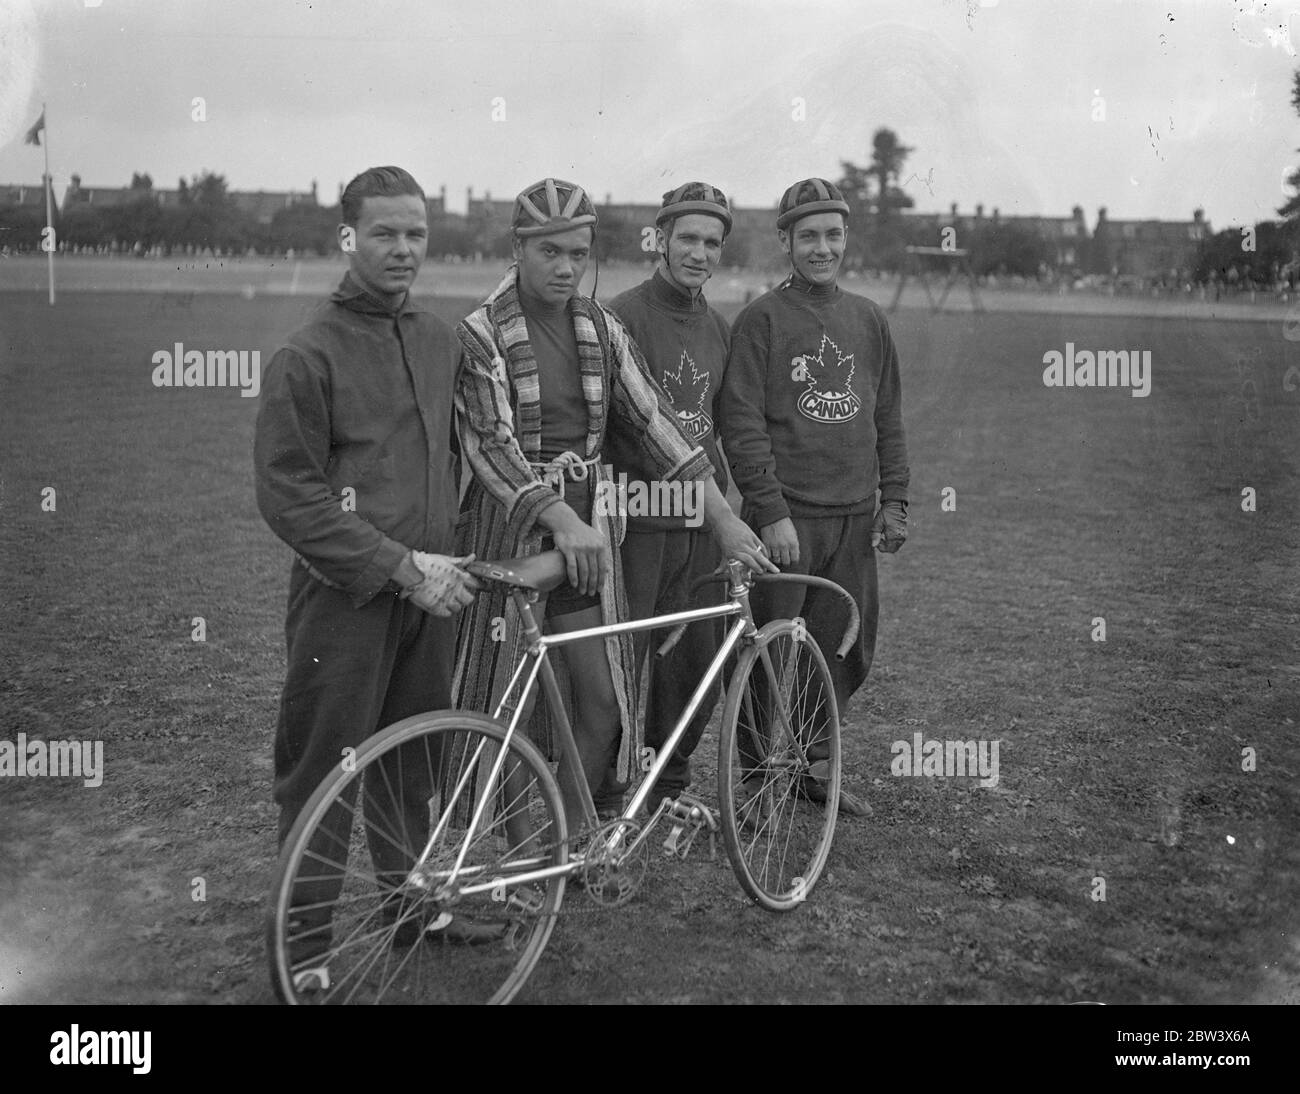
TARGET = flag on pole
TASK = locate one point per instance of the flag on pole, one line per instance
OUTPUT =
(34, 133)
(47, 236)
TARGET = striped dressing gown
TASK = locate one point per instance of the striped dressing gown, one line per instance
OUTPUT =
(498, 412)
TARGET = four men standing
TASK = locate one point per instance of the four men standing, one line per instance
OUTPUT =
(356, 468)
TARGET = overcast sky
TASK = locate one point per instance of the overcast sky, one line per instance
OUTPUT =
(628, 97)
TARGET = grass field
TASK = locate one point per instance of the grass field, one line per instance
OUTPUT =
(1120, 759)
(313, 276)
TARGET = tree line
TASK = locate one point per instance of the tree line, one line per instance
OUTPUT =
(206, 218)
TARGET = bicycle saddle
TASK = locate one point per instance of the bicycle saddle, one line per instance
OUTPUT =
(541, 572)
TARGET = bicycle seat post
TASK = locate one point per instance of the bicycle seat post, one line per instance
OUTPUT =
(524, 601)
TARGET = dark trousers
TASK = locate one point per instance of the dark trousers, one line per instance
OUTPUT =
(658, 569)
(838, 548)
(351, 672)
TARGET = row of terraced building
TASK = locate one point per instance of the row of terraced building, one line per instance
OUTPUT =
(1139, 248)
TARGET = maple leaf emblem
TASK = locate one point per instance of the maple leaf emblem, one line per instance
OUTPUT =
(829, 396)
(830, 372)
(686, 390)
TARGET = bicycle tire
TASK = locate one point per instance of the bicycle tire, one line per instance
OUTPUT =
(778, 835)
(388, 933)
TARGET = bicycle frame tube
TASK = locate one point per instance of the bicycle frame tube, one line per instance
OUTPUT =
(742, 629)
(564, 732)
(733, 639)
(654, 623)
(534, 663)
(539, 645)
(488, 785)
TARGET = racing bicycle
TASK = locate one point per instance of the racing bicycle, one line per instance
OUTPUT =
(430, 864)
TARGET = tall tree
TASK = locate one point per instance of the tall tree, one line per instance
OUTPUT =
(887, 159)
(874, 188)
(855, 185)
(873, 194)
(1291, 210)
(82, 225)
(209, 189)
(305, 227)
(215, 222)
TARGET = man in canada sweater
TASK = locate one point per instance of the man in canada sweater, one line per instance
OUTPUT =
(812, 420)
(684, 342)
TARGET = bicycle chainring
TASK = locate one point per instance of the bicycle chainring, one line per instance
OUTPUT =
(610, 875)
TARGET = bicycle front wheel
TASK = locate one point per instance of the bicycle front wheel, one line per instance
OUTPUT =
(389, 891)
(779, 765)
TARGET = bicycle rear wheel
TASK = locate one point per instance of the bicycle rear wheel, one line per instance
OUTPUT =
(779, 765)
(357, 917)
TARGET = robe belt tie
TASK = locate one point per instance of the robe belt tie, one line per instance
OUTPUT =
(566, 466)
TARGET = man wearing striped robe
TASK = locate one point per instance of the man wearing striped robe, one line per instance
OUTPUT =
(546, 373)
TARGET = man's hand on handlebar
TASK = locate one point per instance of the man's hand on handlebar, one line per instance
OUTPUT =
(734, 537)
(737, 540)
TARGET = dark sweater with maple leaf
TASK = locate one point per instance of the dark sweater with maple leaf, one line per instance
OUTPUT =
(684, 341)
(811, 407)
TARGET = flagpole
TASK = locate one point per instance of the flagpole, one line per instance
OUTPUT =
(49, 210)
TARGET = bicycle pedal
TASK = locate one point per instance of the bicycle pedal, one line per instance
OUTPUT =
(525, 901)
(691, 810)
(689, 816)
(523, 905)
(312, 981)
(675, 844)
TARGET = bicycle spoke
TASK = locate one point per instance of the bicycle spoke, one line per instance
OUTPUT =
(777, 818)
(363, 891)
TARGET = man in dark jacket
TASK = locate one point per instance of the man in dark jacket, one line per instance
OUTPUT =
(684, 342)
(813, 423)
(355, 471)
